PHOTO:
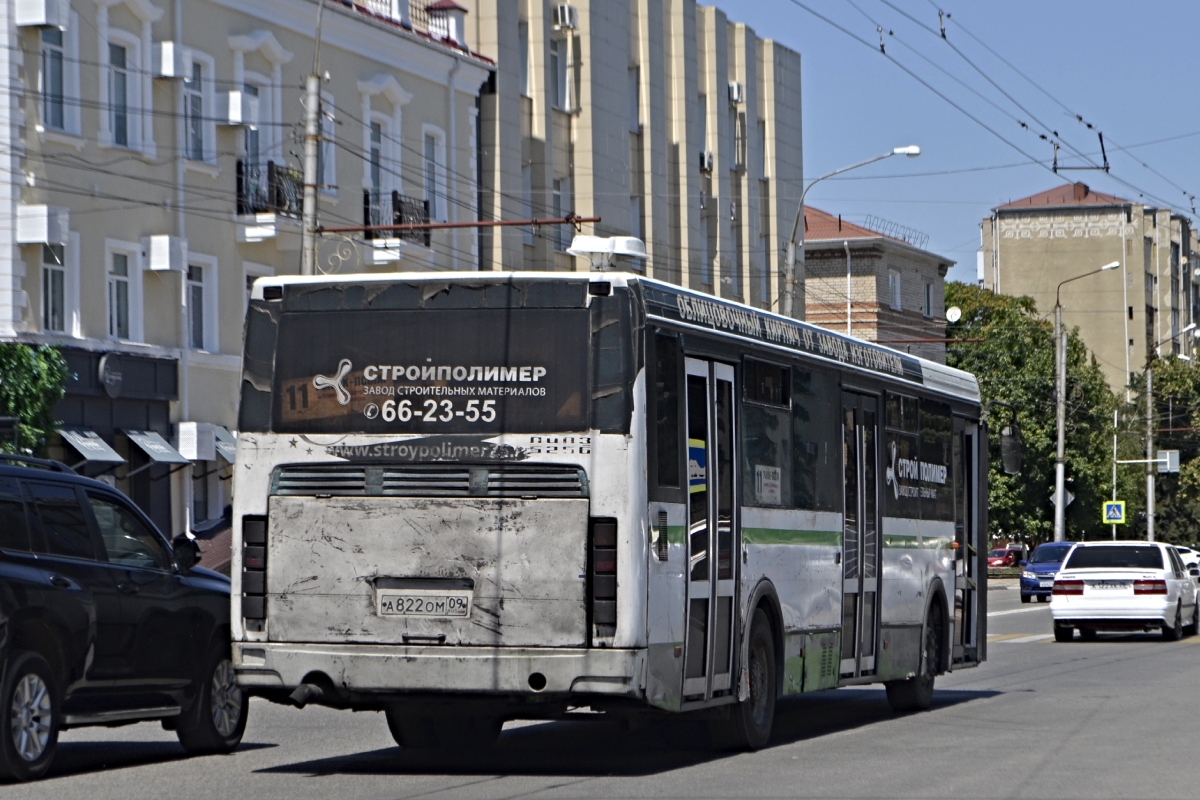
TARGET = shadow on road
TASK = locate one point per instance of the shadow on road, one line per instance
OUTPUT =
(78, 758)
(592, 747)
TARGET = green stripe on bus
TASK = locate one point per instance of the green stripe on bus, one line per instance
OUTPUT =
(906, 542)
(781, 536)
(676, 534)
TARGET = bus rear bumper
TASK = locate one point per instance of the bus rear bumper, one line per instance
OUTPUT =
(400, 669)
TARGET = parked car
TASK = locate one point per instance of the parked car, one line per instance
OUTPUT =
(1189, 555)
(103, 621)
(1006, 557)
(1139, 586)
(1037, 577)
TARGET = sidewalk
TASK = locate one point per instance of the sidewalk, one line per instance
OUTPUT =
(1004, 583)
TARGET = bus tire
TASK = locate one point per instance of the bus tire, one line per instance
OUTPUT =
(750, 721)
(425, 731)
(916, 693)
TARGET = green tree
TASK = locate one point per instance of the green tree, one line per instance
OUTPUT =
(31, 383)
(1014, 363)
(1176, 421)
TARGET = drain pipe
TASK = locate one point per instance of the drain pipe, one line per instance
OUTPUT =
(181, 228)
(452, 161)
(846, 245)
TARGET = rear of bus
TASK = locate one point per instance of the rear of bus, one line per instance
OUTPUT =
(434, 488)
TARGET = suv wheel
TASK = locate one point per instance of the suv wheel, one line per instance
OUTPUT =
(217, 718)
(29, 720)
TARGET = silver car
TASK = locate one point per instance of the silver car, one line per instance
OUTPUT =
(1129, 586)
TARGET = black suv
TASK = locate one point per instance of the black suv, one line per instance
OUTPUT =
(103, 621)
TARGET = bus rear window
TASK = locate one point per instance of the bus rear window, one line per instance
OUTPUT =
(436, 371)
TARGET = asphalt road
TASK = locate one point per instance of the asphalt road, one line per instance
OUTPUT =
(1114, 718)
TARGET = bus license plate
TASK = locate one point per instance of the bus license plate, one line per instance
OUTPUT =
(421, 603)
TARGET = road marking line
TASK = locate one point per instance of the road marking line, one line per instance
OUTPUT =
(1040, 607)
(1004, 637)
(1040, 637)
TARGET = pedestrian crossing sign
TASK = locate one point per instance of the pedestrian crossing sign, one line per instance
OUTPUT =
(1114, 512)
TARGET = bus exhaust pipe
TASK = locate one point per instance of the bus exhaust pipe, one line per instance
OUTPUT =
(306, 693)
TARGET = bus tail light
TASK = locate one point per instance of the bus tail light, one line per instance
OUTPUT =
(1149, 587)
(602, 558)
(254, 568)
(1068, 587)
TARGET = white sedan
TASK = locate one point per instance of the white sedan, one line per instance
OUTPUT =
(1138, 586)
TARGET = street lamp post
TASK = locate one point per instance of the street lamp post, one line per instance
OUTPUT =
(1060, 368)
(796, 250)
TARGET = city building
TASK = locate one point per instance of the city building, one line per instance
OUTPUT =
(150, 175)
(663, 118)
(897, 289)
(1124, 316)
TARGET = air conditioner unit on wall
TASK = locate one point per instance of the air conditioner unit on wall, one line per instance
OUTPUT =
(706, 161)
(737, 92)
(566, 17)
(169, 60)
(42, 13)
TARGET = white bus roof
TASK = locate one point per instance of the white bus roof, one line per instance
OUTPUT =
(932, 375)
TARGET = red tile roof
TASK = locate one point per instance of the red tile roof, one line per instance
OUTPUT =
(820, 225)
(1067, 195)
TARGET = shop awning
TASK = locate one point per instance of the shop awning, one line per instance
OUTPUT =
(226, 443)
(89, 445)
(155, 447)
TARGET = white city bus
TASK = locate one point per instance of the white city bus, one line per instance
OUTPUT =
(469, 498)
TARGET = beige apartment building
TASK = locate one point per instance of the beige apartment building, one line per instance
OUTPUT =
(150, 151)
(662, 117)
(896, 288)
(1125, 315)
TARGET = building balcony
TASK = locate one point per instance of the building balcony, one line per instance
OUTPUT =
(440, 20)
(380, 208)
(264, 197)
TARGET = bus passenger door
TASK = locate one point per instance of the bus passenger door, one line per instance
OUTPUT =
(712, 530)
(966, 537)
(860, 546)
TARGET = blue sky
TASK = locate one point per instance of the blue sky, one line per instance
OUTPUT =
(1127, 68)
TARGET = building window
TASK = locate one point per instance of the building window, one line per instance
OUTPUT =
(523, 40)
(527, 201)
(635, 109)
(558, 74)
(894, 290)
(764, 236)
(195, 277)
(927, 303)
(432, 188)
(199, 492)
(118, 93)
(377, 158)
(252, 141)
(193, 109)
(54, 279)
(556, 211)
(118, 296)
(326, 164)
(53, 109)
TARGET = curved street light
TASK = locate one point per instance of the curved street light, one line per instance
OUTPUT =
(796, 249)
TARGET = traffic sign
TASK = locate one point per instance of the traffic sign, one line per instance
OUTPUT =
(1114, 512)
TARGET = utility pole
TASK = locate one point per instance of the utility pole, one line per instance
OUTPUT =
(1150, 462)
(1060, 416)
(312, 138)
(1114, 497)
(1060, 383)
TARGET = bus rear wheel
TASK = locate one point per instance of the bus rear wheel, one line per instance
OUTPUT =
(916, 693)
(750, 721)
(422, 730)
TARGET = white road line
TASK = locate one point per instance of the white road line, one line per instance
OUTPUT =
(1039, 607)
(1041, 637)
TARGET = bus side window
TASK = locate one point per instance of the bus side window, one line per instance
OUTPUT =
(666, 409)
(816, 441)
(766, 434)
